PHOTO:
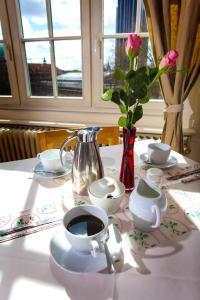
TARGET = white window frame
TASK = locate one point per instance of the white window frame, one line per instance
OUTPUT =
(97, 57)
(14, 98)
(51, 102)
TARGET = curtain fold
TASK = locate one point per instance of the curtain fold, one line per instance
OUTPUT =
(175, 24)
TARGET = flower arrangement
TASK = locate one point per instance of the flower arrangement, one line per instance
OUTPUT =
(136, 84)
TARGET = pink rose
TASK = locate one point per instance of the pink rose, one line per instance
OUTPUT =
(169, 59)
(134, 42)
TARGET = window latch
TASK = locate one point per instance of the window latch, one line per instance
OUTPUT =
(9, 51)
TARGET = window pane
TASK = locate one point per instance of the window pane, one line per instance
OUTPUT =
(143, 24)
(146, 58)
(4, 80)
(39, 68)
(66, 17)
(115, 56)
(119, 16)
(69, 68)
(34, 19)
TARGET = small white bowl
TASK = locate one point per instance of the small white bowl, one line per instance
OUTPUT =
(107, 196)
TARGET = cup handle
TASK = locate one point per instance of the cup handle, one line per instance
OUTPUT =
(156, 209)
(95, 248)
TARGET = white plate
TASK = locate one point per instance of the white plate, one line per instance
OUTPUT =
(40, 171)
(172, 161)
(71, 260)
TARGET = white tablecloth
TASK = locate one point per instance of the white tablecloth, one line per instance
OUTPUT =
(170, 270)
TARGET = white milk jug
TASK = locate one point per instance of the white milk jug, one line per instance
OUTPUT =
(147, 204)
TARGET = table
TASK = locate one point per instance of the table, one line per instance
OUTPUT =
(164, 265)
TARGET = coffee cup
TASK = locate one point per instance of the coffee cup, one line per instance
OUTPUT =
(86, 228)
(158, 153)
(50, 160)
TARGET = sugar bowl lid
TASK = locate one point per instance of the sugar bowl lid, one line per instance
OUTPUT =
(105, 186)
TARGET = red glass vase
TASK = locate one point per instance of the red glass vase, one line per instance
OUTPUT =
(127, 164)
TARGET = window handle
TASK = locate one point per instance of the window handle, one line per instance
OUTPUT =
(100, 45)
(9, 51)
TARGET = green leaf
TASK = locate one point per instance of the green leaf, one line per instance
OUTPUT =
(132, 99)
(140, 78)
(122, 121)
(145, 99)
(122, 108)
(124, 97)
(107, 96)
(130, 74)
(115, 98)
(137, 114)
(119, 74)
(122, 94)
(152, 73)
(142, 73)
(140, 91)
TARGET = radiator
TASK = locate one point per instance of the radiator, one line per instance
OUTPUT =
(18, 142)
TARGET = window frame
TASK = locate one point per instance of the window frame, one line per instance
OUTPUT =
(12, 99)
(97, 57)
(51, 101)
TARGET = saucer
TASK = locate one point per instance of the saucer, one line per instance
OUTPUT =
(70, 260)
(172, 161)
(40, 171)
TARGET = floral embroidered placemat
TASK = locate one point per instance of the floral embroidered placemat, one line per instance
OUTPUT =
(31, 217)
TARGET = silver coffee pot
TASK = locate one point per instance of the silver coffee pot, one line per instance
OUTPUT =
(87, 165)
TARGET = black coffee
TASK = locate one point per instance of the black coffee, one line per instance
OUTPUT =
(85, 225)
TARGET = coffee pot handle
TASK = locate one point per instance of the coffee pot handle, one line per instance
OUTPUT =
(64, 144)
(156, 209)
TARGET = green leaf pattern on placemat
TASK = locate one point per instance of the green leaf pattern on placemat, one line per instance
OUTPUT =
(24, 220)
(173, 229)
(47, 209)
(140, 241)
(79, 202)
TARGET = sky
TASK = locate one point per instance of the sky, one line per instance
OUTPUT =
(66, 21)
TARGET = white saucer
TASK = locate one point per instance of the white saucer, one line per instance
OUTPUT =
(70, 260)
(40, 171)
(172, 161)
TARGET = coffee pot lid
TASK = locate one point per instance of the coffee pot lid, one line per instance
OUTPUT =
(86, 135)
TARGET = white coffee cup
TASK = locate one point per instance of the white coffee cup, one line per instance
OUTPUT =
(158, 153)
(80, 240)
(50, 160)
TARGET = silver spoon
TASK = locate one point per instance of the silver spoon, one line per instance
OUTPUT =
(110, 263)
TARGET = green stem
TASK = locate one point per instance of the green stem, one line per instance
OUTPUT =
(130, 63)
(160, 72)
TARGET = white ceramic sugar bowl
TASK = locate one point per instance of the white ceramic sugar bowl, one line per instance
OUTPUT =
(147, 204)
(107, 193)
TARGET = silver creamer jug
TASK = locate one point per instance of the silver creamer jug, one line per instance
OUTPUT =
(87, 165)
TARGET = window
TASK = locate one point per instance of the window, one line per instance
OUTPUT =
(57, 57)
